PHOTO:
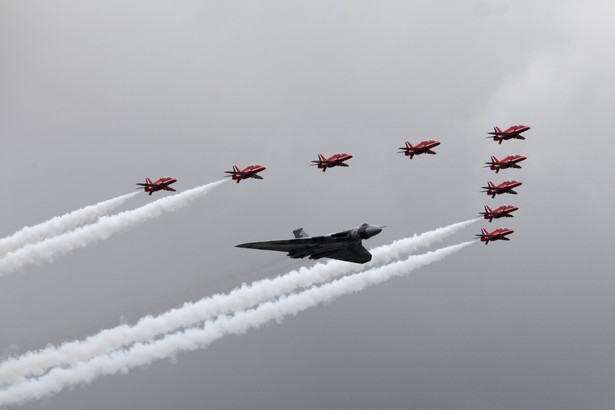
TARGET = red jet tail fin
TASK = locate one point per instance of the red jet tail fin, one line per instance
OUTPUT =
(497, 130)
(321, 157)
(484, 231)
(408, 145)
(488, 213)
(235, 168)
(148, 181)
(494, 159)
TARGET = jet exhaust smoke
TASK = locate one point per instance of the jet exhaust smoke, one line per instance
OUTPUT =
(201, 337)
(36, 363)
(60, 224)
(100, 230)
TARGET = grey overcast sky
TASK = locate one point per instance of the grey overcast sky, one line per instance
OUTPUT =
(97, 95)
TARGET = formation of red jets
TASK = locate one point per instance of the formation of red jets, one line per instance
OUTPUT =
(252, 171)
(337, 160)
(506, 187)
(423, 147)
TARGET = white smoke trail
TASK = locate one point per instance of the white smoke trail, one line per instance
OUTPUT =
(200, 337)
(37, 362)
(100, 230)
(60, 224)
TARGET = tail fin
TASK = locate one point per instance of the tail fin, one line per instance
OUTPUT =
(235, 168)
(496, 135)
(484, 231)
(300, 233)
(488, 213)
(408, 145)
(148, 181)
(491, 184)
(321, 157)
(494, 159)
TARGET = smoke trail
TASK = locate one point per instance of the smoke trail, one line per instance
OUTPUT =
(198, 338)
(59, 224)
(100, 230)
(37, 362)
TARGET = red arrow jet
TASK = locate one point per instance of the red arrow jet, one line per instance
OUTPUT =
(501, 212)
(423, 147)
(510, 133)
(497, 235)
(248, 172)
(336, 160)
(505, 187)
(510, 161)
(160, 185)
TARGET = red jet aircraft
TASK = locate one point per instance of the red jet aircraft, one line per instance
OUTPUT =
(497, 235)
(248, 172)
(423, 147)
(510, 133)
(510, 161)
(505, 187)
(159, 185)
(336, 160)
(501, 212)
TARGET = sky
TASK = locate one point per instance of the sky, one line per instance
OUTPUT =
(96, 96)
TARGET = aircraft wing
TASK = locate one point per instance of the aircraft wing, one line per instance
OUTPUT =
(356, 254)
(287, 245)
(316, 248)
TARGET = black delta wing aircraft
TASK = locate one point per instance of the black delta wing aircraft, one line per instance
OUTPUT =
(345, 245)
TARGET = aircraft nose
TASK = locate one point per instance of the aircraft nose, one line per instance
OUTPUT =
(372, 231)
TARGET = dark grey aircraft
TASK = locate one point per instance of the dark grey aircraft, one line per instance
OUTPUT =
(345, 245)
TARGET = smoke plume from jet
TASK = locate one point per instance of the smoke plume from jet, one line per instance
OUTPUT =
(60, 224)
(106, 226)
(201, 337)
